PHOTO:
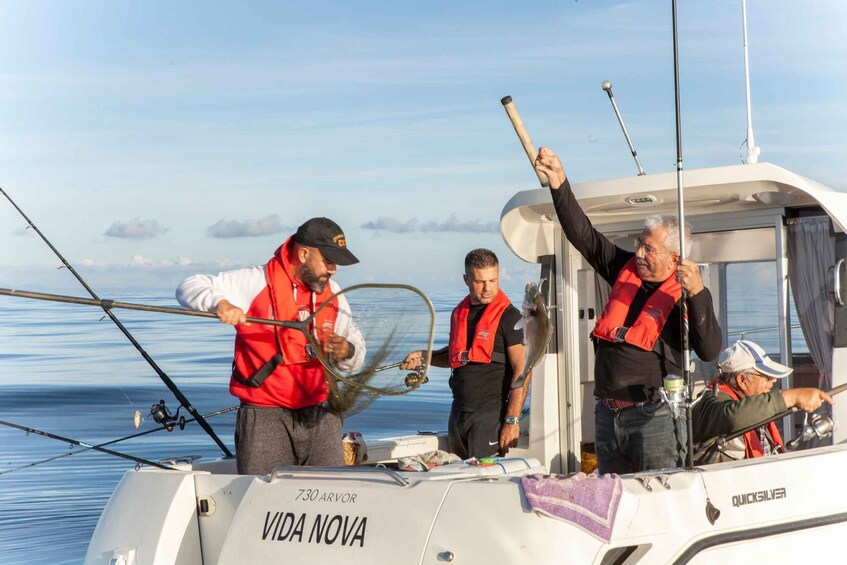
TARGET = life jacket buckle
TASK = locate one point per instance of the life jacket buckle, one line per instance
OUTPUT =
(465, 358)
(619, 334)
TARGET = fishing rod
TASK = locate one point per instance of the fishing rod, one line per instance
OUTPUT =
(523, 136)
(138, 460)
(683, 306)
(164, 377)
(114, 441)
(303, 326)
(819, 427)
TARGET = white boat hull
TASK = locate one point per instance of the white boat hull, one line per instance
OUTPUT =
(775, 509)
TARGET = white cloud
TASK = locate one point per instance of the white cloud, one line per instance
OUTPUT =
(135, 229)
(248, 228)
(384, 223)
(452, 225)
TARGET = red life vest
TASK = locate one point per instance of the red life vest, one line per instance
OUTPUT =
(486, 330)
(752, 442)
(295, 380)
(648, 326)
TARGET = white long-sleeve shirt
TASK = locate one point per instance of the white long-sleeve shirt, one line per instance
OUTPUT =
(241, 286)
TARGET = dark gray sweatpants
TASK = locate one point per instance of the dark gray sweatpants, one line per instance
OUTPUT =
(267, 437)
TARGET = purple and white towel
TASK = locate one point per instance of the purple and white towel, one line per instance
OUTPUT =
(588, 501)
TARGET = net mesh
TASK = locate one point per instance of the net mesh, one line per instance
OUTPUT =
(390, 322)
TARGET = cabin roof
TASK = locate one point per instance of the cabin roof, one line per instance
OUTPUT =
(528, 222)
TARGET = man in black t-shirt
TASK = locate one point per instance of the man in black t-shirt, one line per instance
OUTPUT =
(486, 354)
(637, 338)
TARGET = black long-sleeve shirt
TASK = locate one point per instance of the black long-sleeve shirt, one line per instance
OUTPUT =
(623, 371)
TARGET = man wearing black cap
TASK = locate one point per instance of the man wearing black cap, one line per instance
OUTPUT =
(284, 418)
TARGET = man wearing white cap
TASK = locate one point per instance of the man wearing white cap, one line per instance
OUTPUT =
(740, 397)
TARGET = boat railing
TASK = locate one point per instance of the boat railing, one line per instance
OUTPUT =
(291, 472)
(741, 334)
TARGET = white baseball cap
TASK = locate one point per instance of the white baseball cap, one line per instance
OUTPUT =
(745, 354)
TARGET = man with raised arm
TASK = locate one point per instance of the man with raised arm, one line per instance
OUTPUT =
(637, 337)
(284, 417)
(486, 354)
(742, 396)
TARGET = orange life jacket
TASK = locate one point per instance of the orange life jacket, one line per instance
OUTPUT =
(752, 442)
(486, 330)
(648, 326)
(272, 365)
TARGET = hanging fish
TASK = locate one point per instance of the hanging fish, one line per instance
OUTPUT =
(537, 329)
(137, 419)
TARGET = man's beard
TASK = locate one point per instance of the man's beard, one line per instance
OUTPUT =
(313, 281)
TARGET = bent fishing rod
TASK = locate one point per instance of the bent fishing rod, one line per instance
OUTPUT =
(162, 375)
(114, 441)
(303, 326)
(42, 433)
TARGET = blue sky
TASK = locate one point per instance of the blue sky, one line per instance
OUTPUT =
(150, 140)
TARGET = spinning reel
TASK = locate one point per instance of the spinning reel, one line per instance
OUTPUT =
(162, 415)
(818, 426)
(417, 377)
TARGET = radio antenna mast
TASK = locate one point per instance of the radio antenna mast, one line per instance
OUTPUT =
(752, 148)
(607, 86)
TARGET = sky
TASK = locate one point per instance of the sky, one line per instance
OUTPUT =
(152, 140)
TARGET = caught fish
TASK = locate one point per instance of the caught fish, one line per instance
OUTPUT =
(537, 329)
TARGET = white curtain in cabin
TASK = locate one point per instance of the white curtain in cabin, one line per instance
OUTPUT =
(811, 252)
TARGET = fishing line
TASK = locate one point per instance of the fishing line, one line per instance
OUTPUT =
(112, 442)
(164, 377)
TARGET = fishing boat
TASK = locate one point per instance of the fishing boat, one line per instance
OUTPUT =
(778, 508)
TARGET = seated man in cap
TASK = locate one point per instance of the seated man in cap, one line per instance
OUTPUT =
(742, 396)
(284, 418)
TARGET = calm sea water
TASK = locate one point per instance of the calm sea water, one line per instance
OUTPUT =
(65, 371)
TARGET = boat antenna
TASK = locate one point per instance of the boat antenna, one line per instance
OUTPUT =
(164, 377)
(607, 86)
(752, 149)
(683, 307)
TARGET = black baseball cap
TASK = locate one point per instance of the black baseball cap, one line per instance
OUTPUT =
(327, 236)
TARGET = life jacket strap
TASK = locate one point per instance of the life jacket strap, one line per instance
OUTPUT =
(496, 357)
(263, 373)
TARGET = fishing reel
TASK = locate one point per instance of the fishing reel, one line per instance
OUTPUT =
(417, 377)
(814, 426)
(162, 415)
(674, 394)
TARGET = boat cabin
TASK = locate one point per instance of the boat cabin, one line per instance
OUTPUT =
(766, 241)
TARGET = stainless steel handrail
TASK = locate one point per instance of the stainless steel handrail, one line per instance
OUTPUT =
(288, 471)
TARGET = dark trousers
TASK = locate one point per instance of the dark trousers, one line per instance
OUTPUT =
(267, 437)
(473, 433)
(638, 438)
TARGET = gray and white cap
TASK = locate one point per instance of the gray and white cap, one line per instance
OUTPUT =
(744, 354)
